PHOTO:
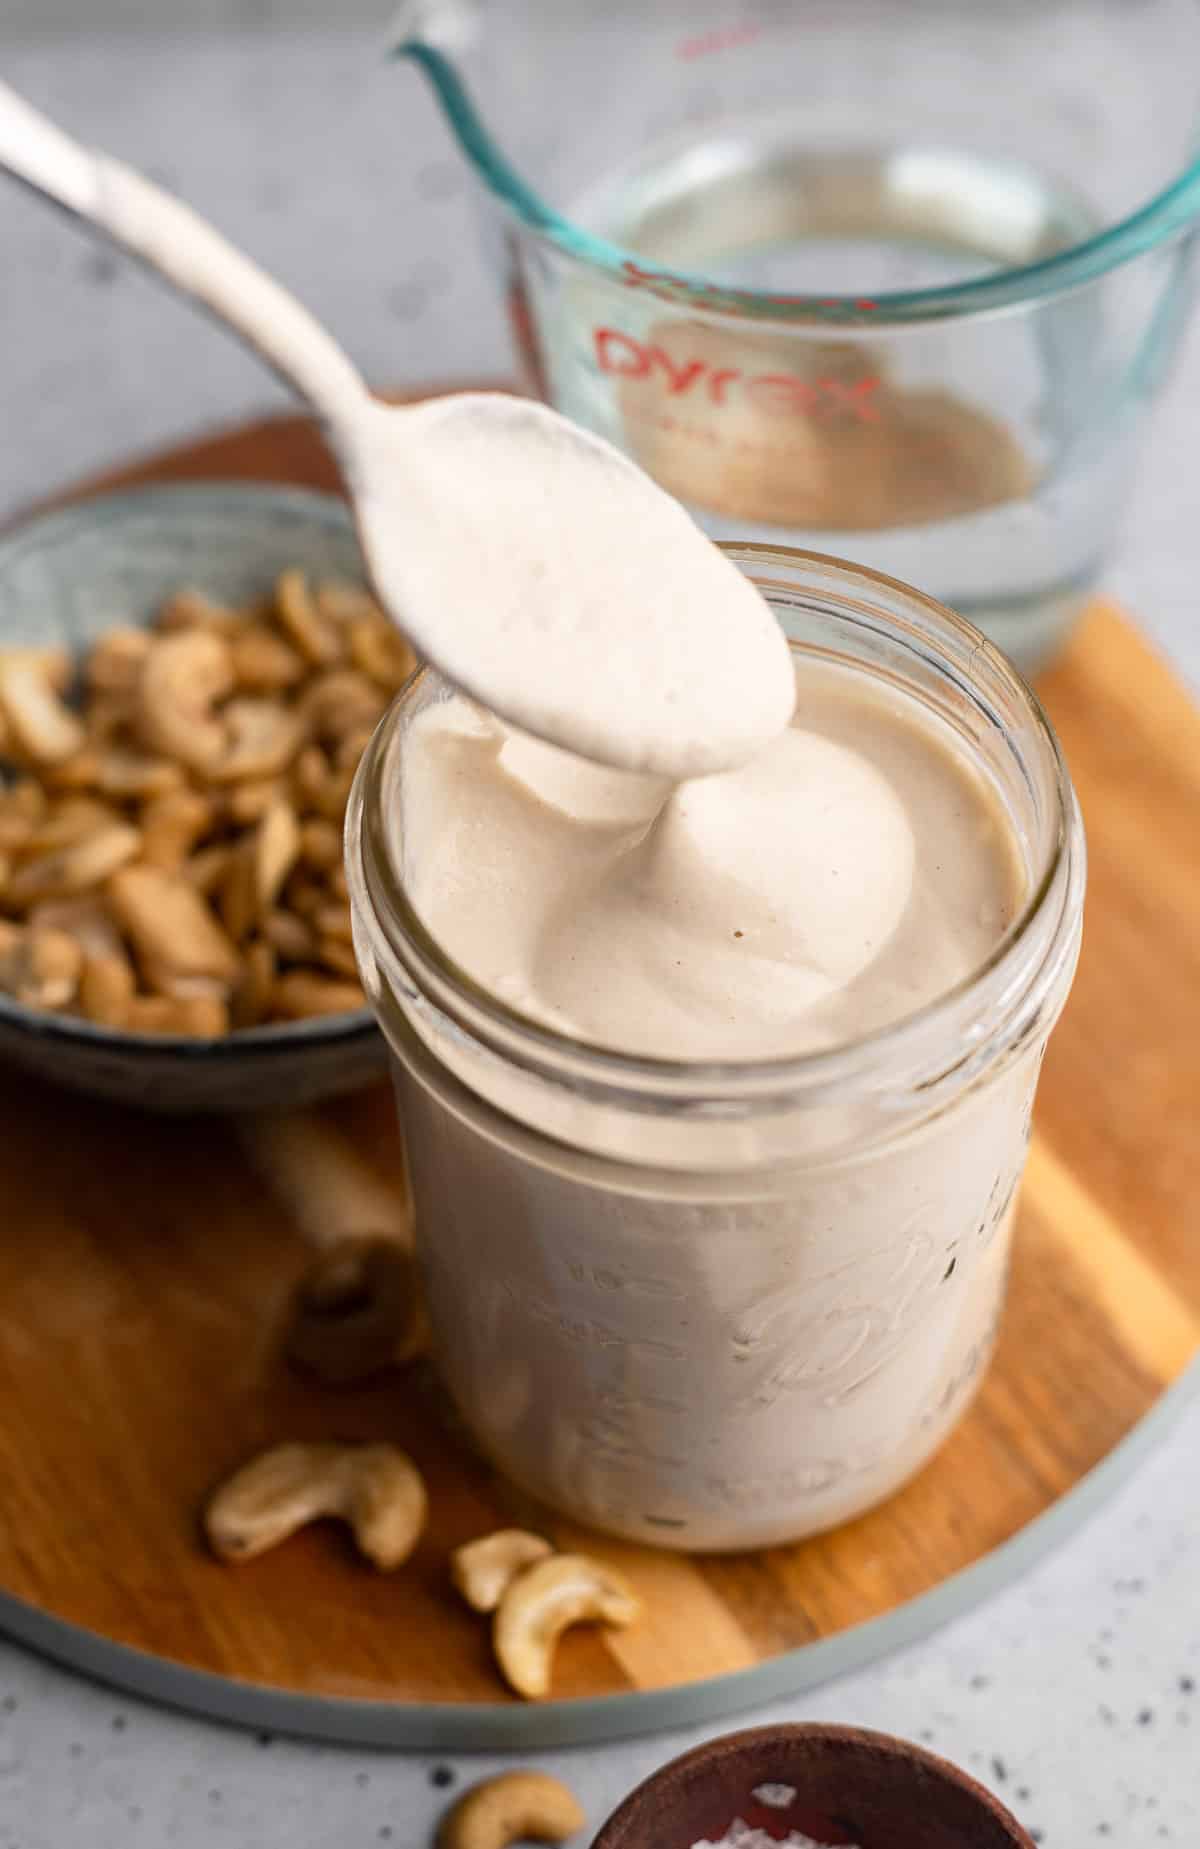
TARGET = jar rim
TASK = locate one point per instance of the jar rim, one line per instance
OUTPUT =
(501, 1025)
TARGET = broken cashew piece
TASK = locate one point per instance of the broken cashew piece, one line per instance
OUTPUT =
(374, 1488)
(264, 737)
(40, 968)
(541, 1602)
(73, 870)
(483, 1570)
(516, 1807)
(172, 930)
(358, 1311)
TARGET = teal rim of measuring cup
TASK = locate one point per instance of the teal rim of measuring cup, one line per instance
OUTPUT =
(1167, 215)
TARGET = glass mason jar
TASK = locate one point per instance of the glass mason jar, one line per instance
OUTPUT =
(718, 1306)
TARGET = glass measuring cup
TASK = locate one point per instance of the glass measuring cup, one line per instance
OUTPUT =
(895, 282)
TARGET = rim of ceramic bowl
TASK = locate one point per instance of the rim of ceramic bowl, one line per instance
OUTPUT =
(42, 526)
(646, 1804)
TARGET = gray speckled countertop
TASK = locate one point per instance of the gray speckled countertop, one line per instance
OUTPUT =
(1075, 1693)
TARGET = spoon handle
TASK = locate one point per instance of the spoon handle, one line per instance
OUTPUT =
(186, 250)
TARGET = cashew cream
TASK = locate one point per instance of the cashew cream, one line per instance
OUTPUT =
(854, 870)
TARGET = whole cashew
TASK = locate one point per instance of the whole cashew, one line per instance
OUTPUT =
(183, 677)
(483, 1570)
(373, 1487)
(358, 1312)
(539, 1605)
(172, 929)
(516, 1807)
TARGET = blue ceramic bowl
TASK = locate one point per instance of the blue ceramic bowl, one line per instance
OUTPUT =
(66, 577)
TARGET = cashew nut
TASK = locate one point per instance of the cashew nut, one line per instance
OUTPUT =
(107, 987)
(357, 1312)
(235, 892)
(516, 1807)
(252, 994)
(73, 820)
(86, 919)
(264, 662)
(337, 956)
(320, 845)
(310, 773)
(55, 664)
(16, 827)
(341, 603)
(174, 933)
(349, 750)
(183, 677)
(190, 609)
(72, 870)
(340, 700)
(290, 936)
(541, 1602)
(120, 773)
(202, 1017)
(372, 1487)
(42, 727)
(305, 625)
(264, 737)
(205, 871)
(171, 826)
(378, 648)
(116, 661)
(276, 848)
(25, 797)
(247, 803)
(483, 1570)
(302, 993)
(334, 921)
(331, 803)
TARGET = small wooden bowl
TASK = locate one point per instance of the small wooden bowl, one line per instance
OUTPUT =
(852, 1787)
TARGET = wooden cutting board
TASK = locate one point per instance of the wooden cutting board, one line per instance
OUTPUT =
(146, 1266)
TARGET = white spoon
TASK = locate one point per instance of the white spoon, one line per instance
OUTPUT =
(530, 561)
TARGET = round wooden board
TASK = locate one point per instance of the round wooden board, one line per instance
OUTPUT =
(146, 1265)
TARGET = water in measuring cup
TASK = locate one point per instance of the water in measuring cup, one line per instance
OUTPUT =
(756, 209)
